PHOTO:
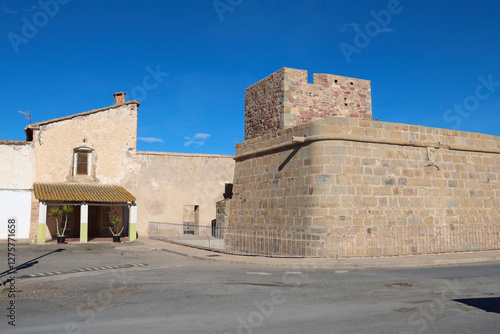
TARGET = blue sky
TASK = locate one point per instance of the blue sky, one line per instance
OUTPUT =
(433, 63)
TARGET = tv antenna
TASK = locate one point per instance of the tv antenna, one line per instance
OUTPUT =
(28, 116)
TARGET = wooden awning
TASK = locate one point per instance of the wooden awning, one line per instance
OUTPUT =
(71, 192)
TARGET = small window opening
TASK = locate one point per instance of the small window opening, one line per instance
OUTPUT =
(81, 161)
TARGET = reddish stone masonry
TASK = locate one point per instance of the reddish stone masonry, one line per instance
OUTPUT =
(285, 99)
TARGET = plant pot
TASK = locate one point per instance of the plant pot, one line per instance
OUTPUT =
(61, 240)
(116, 239)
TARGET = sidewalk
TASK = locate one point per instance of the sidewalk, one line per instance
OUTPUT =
(407, 261)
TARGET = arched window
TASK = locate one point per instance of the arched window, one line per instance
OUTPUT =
(82, 161)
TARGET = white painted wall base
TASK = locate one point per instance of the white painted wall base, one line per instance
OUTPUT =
(17, 205)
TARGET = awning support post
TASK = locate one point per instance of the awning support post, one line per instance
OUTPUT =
(84, 222)
(132, 226)
(42, 221)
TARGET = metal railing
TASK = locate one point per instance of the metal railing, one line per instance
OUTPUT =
(333, 242)
(188, 233)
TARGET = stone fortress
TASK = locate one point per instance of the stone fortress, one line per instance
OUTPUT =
(314, 158)
(314, 162)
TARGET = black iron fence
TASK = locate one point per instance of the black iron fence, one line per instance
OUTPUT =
(331, 242)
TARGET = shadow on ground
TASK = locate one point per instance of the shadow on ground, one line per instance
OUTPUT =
(486, 304)
(25, 265)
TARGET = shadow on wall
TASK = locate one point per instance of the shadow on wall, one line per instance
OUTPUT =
(287, 160)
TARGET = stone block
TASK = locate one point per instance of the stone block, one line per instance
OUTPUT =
(342, 179)
(335, 150)
(369, 201)
(389, 181)
(372, 180)
(382, 191)
(380, 171)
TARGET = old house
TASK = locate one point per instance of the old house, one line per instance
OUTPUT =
(90, 161)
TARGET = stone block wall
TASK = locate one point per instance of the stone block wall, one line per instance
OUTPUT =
(352, 172)
(35, 209)
(222, 209)
(285, 99)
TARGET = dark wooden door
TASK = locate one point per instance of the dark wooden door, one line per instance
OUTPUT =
(94, 221)
(74, 222)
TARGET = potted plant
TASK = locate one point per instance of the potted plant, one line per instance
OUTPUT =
(66, 211)
(116, 235)
(55, 212)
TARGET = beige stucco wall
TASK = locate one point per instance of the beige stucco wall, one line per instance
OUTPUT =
(165, 182)
(17, 170)
(111, 134)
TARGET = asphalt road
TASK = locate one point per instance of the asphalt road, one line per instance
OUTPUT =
(175, 294)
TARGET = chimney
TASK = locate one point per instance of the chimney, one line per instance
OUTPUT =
(119, 97)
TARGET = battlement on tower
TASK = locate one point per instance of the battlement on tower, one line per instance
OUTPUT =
(285, 99)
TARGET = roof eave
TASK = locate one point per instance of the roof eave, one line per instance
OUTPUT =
(36, 126)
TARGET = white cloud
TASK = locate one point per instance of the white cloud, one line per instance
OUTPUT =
(202, 135)
(151, 139)
(198, 139)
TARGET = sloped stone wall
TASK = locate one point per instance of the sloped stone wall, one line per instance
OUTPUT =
(366, 173)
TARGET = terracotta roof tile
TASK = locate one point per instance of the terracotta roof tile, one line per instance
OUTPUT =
(71, 192)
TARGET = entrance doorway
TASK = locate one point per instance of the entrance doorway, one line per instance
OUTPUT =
(74, 223)
(95, 222)
(100, 217)
(191, 216)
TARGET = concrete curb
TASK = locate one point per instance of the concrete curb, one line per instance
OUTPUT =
(408, 261)
(367, 263)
